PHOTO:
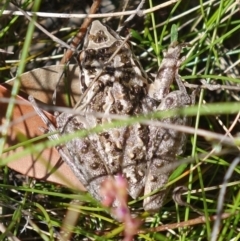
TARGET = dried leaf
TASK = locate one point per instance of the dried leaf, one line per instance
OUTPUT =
(40, 83)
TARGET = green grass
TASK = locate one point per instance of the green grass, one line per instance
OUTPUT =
(37, 209)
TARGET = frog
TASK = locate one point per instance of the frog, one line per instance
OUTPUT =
(113, 83)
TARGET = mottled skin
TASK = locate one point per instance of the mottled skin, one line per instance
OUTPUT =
(166, 72)
(165, 146)
(112, 82)
(114, 86)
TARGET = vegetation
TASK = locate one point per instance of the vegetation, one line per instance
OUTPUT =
(40, 210)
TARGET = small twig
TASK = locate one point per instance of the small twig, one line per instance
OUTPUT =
(82, 31)
(47, 122)
(212, 87)
(118, 49)
(101, 15)
(188, 223)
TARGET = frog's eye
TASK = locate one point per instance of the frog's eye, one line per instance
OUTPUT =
(169, 100)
